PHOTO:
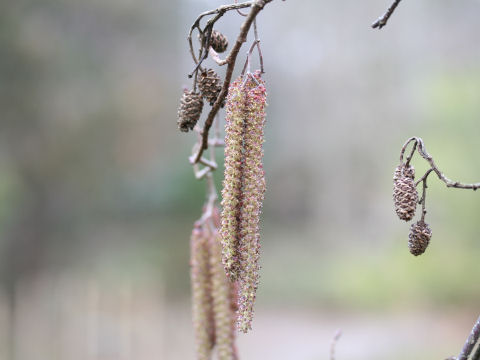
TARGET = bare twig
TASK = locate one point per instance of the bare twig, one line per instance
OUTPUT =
(214, 55)
(423, 152)
(382, 20)
(206, 172)
(256, 7)
(337, 336)
(206, 32)
(256, 43)
(239, 11)
(424, 193)
(404, 148)
(476, 356)
(423, 177)
(455, 184)
(471, 341)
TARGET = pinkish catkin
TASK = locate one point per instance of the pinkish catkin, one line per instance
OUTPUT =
(244, 188)
(202, 305)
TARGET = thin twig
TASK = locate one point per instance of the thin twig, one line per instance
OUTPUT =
(423, 152)
(382, 20)
(424, 194)
(256, 7)
(337, 336)
(423, 177)
(239, 11)
(471, 341)
(215, 57)
(455, 184)
(404, 147)
(476, 356)
(218, 12)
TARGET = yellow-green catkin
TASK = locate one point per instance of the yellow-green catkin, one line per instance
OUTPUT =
(223, 298)
(202, 307)
(223, 313)
(232, 183)
(243, 190)
(253, 189)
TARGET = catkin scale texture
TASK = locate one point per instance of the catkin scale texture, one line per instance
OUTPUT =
(202, 307)
(243, 191)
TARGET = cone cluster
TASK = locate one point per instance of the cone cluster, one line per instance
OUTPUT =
(243, 190)
(191, 105)
(419, 237)
(405, 195)
(213, 296)
(210, 85)
(218, 41)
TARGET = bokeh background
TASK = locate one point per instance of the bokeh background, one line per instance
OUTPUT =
(97, 198)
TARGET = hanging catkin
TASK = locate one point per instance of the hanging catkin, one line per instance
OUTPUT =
(244, 188)
(232, 183)
(202, 308)
(223, 293)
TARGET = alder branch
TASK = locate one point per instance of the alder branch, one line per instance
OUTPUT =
(476, 356)
(337, 336)
(256, 7)
(420, 147)
(382, 20)
(470, 343)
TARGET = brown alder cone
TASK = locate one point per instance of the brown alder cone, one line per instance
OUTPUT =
(189, 111)
(218, 41)
(210, 85)
(405, 195)
(419, 237)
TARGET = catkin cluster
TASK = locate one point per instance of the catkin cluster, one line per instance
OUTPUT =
(213, 295)
(243, 189)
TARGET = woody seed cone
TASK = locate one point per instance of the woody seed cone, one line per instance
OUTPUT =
(419, 237)
(405, 196)
(210, 85)
(191, 105)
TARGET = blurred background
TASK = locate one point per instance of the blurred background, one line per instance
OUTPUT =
(97, 198)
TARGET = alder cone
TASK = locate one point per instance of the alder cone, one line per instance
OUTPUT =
(218, 41)
(405, 195)
(419, 237)
(210, 85)
(191, 105)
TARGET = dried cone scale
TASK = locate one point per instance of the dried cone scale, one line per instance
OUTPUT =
(218, 41)
(405, 194)
(419, 237)
(210, 85)
(191, 105)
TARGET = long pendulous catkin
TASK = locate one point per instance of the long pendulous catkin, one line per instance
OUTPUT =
(223, 294)
(243, 191)
(252, 200)
(232, 183)
(202, 307)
